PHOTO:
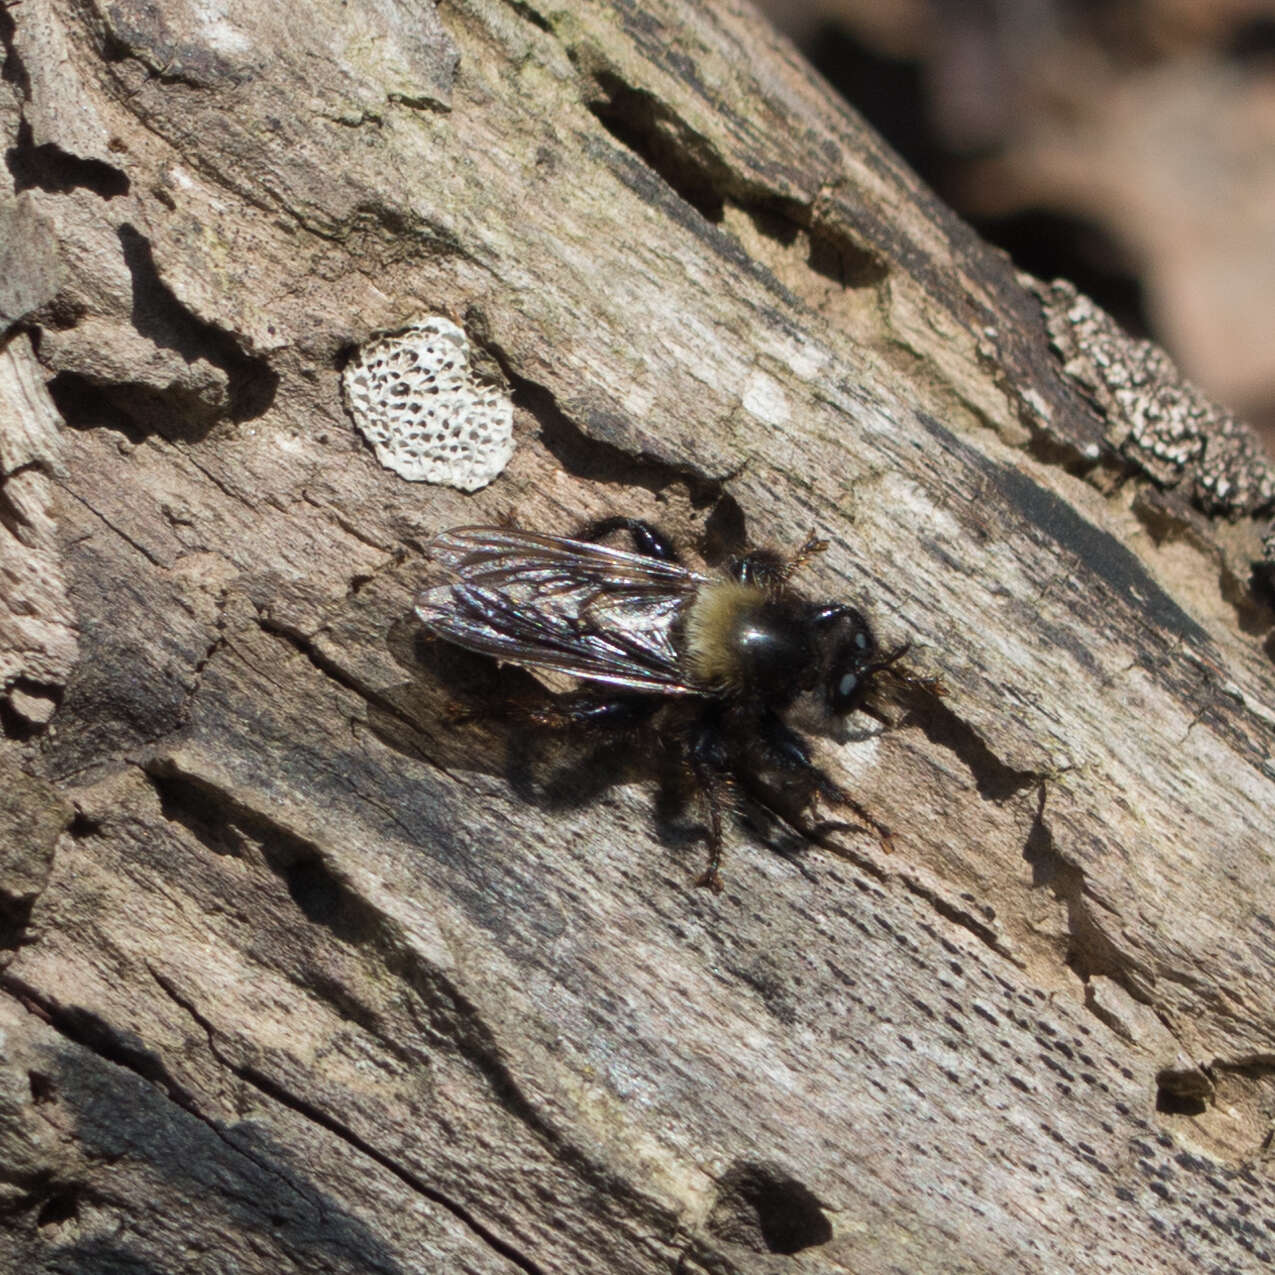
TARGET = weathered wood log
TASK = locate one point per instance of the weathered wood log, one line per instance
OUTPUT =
(301, 974)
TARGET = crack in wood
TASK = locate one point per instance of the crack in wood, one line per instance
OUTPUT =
(170, 990)
(271, 1089)
(102, 1038)
(645, 125)
(958, 915)
(1090, 951)
(123, 535)
(103, 1041)
(13, 71)
(453, 1018)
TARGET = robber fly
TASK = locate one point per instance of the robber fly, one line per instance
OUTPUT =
(714, 660)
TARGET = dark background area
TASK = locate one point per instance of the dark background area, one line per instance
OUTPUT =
(1128, 145)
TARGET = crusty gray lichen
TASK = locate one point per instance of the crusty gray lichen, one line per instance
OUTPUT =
(1157, 419)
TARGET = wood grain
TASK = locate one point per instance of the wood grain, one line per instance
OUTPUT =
(302, 975)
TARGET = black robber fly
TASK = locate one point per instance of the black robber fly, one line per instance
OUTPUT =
(713, 661)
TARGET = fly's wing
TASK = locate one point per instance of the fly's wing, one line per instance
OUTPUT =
(583, 609)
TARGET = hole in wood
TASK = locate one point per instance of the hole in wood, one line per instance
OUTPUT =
(762, 1207)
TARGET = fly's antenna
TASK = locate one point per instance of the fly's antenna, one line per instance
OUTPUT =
(888, 664)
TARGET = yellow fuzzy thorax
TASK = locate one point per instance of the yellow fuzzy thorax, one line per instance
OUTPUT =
(713, 619)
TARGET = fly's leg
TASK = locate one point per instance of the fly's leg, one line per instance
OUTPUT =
(812, 548)
(786, 751)
(914, 681)
(782, 747)
(588, 712)
(838, 796)
(768, 569)
(709, 763)
(647, 540)
(760, 567)
(713, 789)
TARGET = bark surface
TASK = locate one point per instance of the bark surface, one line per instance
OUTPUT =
(302, 975)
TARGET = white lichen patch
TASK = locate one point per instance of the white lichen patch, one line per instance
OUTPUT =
(415, 397)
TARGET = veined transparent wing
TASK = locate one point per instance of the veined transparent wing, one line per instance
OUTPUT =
(578, 608)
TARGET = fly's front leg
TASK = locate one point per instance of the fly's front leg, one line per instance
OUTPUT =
(647, 540)
(837, 795)
(786, 751)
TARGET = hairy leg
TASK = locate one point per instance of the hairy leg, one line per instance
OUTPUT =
(594, 712)
(767, 568)
(709, 762)
(783, 750)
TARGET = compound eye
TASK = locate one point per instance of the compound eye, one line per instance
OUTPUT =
(846, 682)
(845, 685)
